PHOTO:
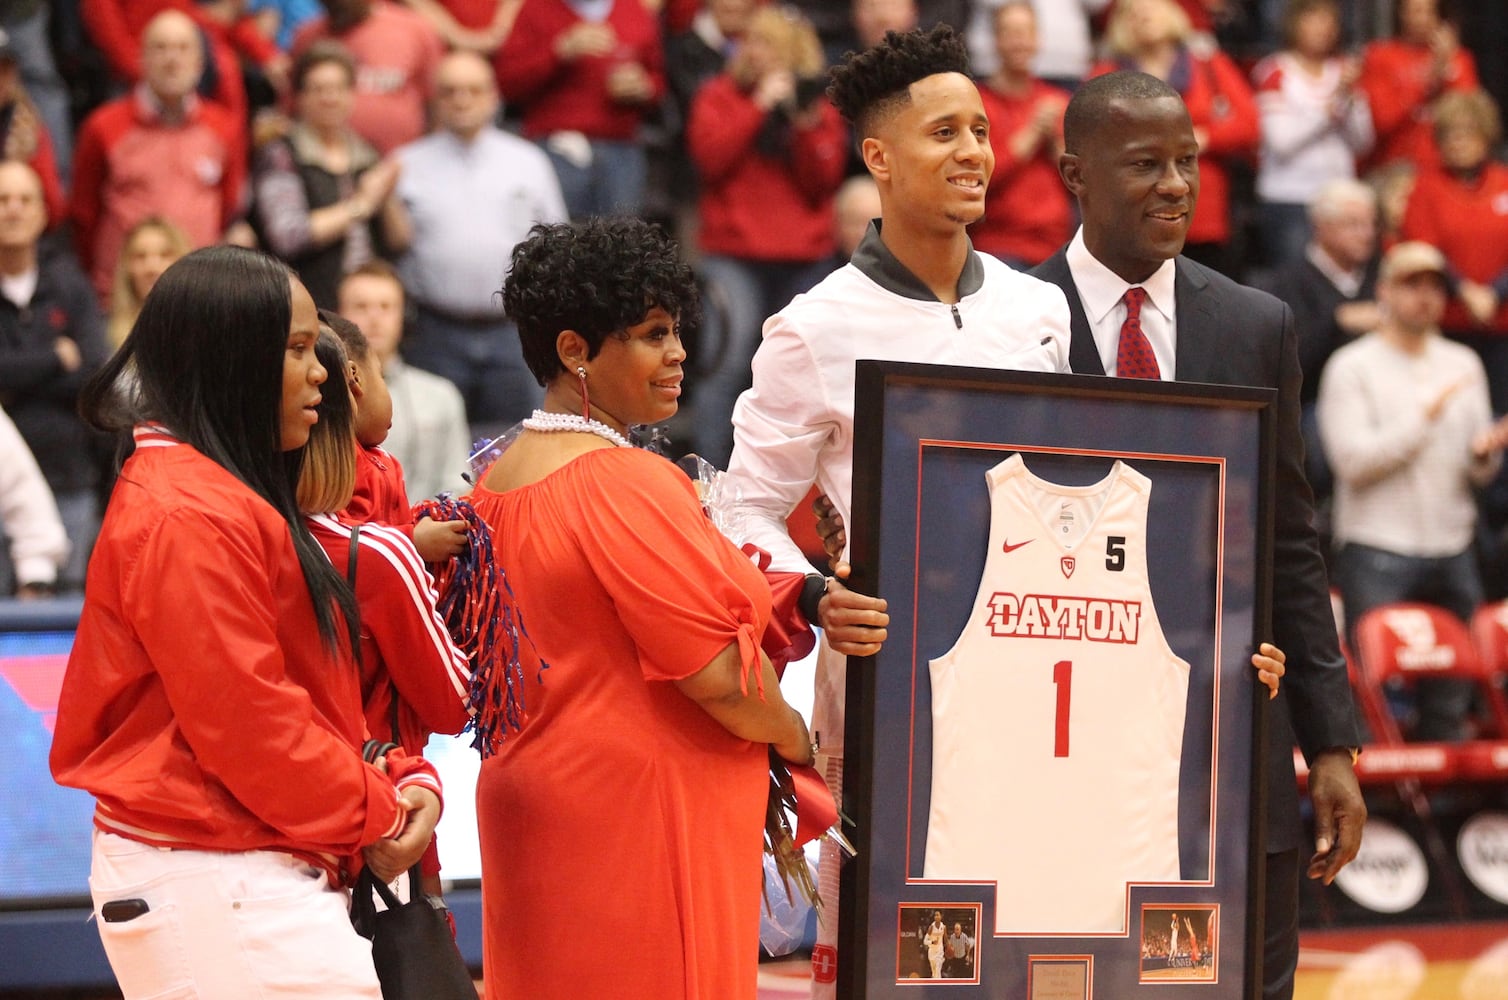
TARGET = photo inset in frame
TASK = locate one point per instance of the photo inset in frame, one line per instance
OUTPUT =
(937, 943)
(1179, 943)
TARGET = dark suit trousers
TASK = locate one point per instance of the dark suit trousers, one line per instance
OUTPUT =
(1280, 951)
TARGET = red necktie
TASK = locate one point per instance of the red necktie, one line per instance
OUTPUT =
(1133, 354)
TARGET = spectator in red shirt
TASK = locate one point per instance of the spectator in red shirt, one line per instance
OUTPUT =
(229, 34)
(396, 53)
(1155, 37)
(159, 150)
(692, 57)
(769, 150)
(585, 74)
(1026, 215)
(1403, 75)
(479, 26)
(1461, 207)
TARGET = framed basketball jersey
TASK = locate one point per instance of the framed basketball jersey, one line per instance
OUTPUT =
(1054, 749)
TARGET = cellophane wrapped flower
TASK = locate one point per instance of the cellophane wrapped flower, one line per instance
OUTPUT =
(791, 635)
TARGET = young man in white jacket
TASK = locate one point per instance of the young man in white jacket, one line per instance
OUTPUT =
(36, 545)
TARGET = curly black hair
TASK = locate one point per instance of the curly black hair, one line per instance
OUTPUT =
(867, 86)
(598, 278)
(1089, 107)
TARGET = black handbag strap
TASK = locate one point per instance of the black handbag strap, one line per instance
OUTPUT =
(351, 556)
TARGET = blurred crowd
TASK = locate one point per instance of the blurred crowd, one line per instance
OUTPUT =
(394, 152)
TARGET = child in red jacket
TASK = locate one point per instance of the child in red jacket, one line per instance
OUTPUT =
(414, 681)
(380, 494)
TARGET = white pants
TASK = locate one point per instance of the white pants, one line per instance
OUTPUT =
(226, 926)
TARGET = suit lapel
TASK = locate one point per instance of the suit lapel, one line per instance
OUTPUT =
(1197, 336)
(1083, 355)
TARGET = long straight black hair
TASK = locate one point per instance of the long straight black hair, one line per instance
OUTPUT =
(205, 360)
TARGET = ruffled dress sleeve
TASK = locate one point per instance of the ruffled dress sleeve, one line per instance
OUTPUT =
(681, 590)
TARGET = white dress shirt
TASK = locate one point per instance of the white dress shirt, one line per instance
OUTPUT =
(471, 204)
(1102, 292)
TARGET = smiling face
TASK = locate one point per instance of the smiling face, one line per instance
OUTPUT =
(1016, 38)
(872, 18)
(1463, 147)
(1136, 176)
(149, 252)
(374, 302)
(327, 96)
(1347, 231)
(1414, 303)
(1418, 20)
(1316, 32)
(636, 376)
(932, 157)
(22, 213)
(172, 56)
(465, 94)
(302, 372)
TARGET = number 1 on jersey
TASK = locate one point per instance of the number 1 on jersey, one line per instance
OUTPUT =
(1062, 676)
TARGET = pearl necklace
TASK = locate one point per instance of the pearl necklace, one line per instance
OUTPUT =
(544, 421)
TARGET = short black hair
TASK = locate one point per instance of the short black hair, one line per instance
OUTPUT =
(597, 277)
(352, 339)
(324, 51)
(868, 85)
(1090, 105)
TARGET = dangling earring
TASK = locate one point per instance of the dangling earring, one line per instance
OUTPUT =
(586, 401)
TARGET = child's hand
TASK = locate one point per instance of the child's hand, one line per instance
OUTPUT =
(437, 541)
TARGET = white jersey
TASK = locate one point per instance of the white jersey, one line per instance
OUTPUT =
(1057, 716)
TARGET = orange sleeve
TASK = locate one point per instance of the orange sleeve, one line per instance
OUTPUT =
(682, 591)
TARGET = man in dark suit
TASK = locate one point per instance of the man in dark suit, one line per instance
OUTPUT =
(1139, 309)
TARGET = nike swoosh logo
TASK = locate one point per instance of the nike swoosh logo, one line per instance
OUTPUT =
(1008, 547)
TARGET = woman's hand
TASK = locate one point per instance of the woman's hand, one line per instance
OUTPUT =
(796, 748)
(585, 39)
(392, 856)
(773, 89)
(377, 184)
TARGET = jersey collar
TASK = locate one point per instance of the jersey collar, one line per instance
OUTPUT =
(874, 259)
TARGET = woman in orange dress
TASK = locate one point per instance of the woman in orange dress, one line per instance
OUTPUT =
(621, 824)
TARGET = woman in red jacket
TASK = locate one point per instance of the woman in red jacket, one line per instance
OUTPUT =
(211, 704)
(1461, 207)
(1403, 75)
(769, 152)
(585, 76)
(1155, 36)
